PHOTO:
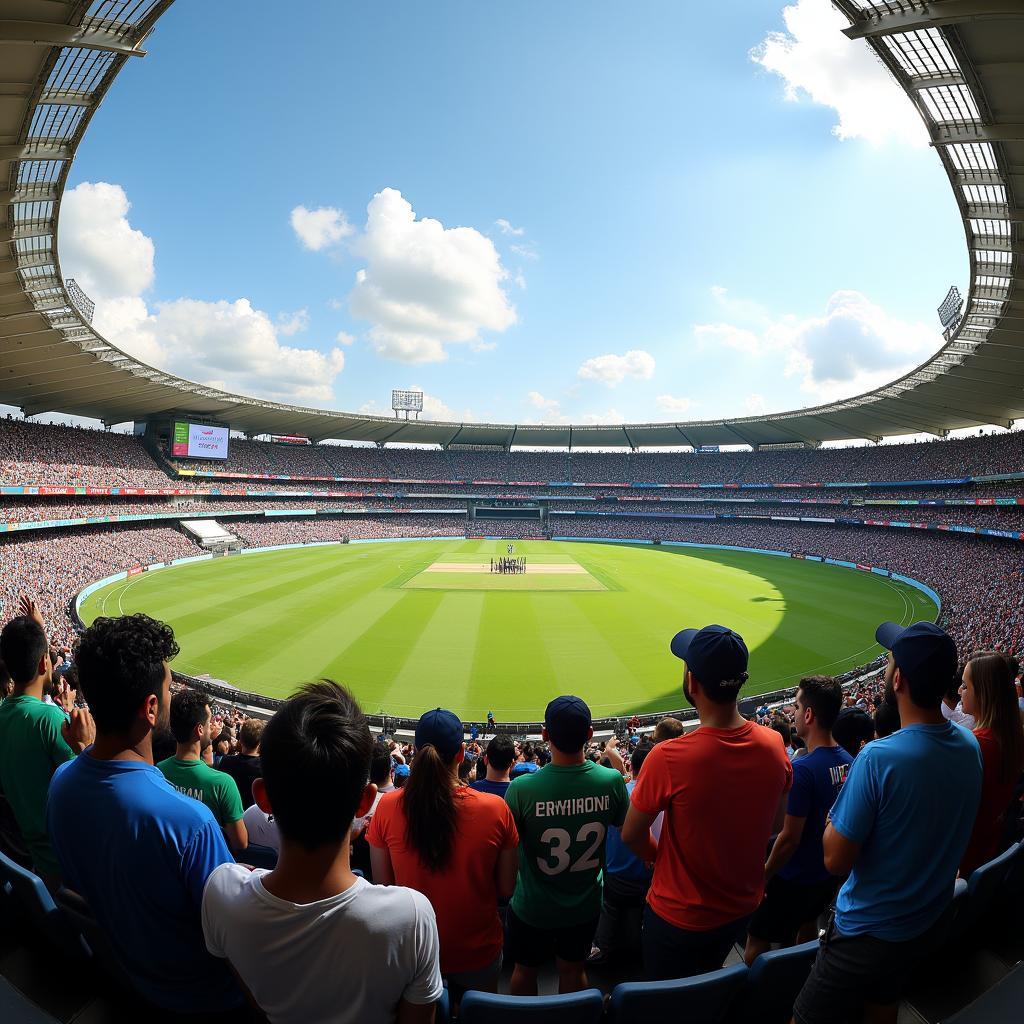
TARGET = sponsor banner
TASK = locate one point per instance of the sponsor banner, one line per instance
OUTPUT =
(155, 565)
(796, 554)
(863, 568)
(836, 561)
(134, 570)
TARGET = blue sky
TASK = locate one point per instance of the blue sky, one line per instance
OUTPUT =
(651, 227)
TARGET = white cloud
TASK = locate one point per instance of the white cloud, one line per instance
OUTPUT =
(613, 370)
(320, 228)
(98, 247)
(425, 286)
(227, 344)
(293, 323)
(815, 59)
(528, 252)
(754, 404)
(612, 417)
(853, 346)
(507, 229)
(673, 404)
(549, 410)
(344, 338)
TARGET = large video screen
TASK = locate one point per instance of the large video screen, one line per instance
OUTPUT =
(199, 441)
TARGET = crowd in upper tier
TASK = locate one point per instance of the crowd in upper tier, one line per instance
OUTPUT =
(32, 453)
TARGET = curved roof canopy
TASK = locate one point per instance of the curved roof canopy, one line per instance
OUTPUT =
(959, 61)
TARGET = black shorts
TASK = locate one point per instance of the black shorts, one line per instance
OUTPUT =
(851, 970)
(534, 947)
(787, 905)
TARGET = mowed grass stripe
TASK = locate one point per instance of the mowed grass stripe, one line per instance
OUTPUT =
(271, 621)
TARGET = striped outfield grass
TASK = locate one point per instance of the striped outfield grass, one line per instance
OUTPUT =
(405, 639)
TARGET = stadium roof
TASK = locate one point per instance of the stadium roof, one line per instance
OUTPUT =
(961, 62)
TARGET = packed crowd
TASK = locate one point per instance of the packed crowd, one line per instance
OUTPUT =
(49, 454)
(260, 534)
(201, 843)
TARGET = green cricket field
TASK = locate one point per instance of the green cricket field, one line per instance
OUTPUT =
(414, 625)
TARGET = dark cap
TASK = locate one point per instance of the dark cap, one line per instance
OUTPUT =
(922, 652)
(441, 729)
(713, 654)
(567, 720)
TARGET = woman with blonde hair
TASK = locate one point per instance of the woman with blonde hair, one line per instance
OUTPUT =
(989, 694)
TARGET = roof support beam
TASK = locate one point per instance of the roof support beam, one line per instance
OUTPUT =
(949, 133)
(39, 33)
(870, 25)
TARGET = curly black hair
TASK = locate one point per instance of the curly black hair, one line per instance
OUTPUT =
(120, 663)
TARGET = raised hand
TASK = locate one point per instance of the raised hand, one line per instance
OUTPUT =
(80, 730)
(28, 607)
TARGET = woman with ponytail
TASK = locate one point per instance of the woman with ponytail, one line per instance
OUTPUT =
(456, 845)
(989, 694)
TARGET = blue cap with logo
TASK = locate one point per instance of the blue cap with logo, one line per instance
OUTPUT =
(921, 651)
(443, 730)
(713, 654)
(567, 720)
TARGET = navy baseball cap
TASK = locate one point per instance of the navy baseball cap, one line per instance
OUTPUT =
(443, 730)
(713, 654)
(921, 651)
(567, 720)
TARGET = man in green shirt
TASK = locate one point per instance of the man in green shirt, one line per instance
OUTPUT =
(188, 773)
(562, 813)
(35, 737)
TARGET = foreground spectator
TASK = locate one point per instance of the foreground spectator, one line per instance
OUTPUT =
(501, 752)
(35, 737)
(244, 767)
(310, 940)
(189, 774)
(990, 699)
(853, 730)
(562, 811)
(899, 829)
(799, 887)
(126, 840)
(454, 845)
(722, 789)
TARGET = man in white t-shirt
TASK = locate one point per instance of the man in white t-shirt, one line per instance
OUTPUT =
(261, 828)
(310, 940)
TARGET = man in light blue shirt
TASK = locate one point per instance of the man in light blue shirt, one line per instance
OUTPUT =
(126, 840)
(899, 828)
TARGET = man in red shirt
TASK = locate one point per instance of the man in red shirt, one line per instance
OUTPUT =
(723, 790)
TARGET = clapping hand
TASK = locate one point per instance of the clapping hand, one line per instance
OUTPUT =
(80, 729)
(28, 607)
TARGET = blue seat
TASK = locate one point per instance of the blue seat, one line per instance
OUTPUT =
(982, 890)
(259, 856)
(29, 892)
(1001, 1004)
(577, 1008)
(773, 983)
(704, 999)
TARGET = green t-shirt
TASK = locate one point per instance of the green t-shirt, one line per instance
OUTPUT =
(31, 750)
(207, 785)
(563, 813)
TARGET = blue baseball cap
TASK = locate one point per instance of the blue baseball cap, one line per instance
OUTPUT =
(567, 720)
(921, 651)
(401, 771)
(713, 654)
(443, 730)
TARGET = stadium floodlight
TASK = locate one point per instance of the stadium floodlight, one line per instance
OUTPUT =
(81, 301)
(407, 402)
(950, 308)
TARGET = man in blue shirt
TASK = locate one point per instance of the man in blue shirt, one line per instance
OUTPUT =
(501, 752)
(137, 850)
(798, 886)
(899, 829)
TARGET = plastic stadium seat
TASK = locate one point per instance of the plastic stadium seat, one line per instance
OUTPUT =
(704, 999)
(16, 1009)
(257, 856)
(35, 900)
(1001, 1004)
(982, 889)
(577, 1008)
(773, 983)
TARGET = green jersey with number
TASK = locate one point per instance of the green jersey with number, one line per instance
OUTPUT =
(563, 813)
